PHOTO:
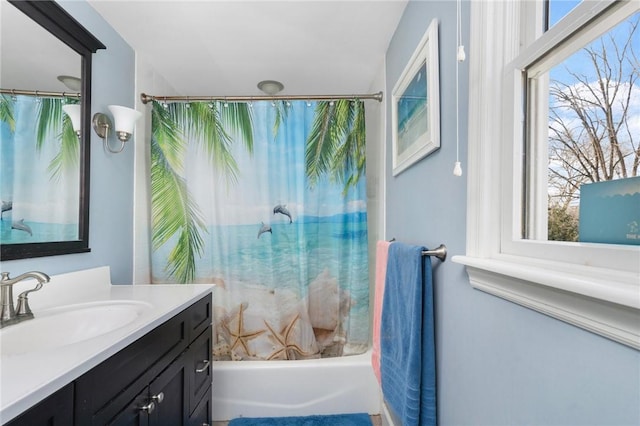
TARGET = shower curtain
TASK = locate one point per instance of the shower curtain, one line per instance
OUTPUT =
(39, 171)
(267, 200)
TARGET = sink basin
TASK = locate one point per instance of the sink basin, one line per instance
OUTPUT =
(67, 325)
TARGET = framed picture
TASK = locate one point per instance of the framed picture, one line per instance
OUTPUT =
(415, 109)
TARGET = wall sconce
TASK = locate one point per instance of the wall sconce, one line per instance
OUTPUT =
(125, 119)
(73, 111)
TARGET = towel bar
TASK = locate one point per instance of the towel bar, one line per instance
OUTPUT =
(440, 252)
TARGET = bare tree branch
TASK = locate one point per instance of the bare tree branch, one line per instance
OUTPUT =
(590, 138)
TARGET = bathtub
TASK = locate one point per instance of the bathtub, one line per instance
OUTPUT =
(295, 388)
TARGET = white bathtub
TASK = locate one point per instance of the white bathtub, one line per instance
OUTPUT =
(295, 388)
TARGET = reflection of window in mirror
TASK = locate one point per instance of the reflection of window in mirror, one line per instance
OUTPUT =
(583, 132)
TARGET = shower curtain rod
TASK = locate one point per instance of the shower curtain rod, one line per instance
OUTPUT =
(147, 98)
(39, 93)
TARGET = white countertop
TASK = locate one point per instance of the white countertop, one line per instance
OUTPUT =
(26, 379)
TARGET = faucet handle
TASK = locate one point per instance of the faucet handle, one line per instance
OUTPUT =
(4, 279)
(22, 307)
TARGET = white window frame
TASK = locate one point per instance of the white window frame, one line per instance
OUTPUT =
(593, 286)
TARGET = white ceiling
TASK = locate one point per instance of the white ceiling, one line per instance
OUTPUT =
(226, 47)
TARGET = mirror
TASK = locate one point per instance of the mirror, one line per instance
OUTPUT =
(45, 64)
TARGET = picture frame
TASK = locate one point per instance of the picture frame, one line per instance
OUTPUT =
(415, 99)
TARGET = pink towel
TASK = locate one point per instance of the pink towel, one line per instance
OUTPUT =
(382, 249)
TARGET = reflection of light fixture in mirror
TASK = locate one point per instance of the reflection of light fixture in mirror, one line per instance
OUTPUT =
(73, 111)
(270, 87)
(125, 119)
(72, 83)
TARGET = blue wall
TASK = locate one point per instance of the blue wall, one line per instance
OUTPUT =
(111, 203)
(497, 363)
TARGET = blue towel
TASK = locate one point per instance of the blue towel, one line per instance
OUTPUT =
(407, 364)
(428, 385)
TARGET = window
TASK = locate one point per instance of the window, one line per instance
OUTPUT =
(515, 163)
(583, 123)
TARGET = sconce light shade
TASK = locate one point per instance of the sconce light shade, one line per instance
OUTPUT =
(73, 111)
(125, 119)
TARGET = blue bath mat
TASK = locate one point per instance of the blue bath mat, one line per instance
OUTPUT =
(359, 419)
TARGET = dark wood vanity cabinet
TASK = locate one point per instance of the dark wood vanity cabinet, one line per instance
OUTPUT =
(55, 410)
(183, 386)
(164, 378)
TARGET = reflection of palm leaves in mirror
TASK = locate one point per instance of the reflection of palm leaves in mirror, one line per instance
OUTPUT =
(50, 119)
(6, 112)
(336, 144)
(173, 210)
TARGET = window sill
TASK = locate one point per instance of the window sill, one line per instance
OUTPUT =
(602, 301)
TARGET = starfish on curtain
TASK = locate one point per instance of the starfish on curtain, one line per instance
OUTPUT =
(239, 335)
(282, 339)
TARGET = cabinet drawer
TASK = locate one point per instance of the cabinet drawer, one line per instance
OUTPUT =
(200, 317)
(199, 361)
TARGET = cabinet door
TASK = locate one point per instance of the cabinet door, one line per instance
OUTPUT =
(136, 413)
(199, 359)
(169, 393)
(55, 410)
(202, 415)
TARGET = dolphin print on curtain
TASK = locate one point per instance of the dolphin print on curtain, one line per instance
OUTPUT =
(266, 200)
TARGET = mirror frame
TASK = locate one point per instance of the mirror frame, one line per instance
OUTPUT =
(59, 23)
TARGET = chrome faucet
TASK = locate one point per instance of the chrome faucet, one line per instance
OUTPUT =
(8, 314)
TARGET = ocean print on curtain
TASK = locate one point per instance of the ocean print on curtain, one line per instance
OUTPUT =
(268, 201)
(39, 171)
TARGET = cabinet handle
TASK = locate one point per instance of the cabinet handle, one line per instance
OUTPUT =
(204, 366)
(149, 407)
(158, 398)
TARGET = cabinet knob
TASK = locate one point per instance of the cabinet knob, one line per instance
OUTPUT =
(158, 398)
(205, 365)
(149, 407)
